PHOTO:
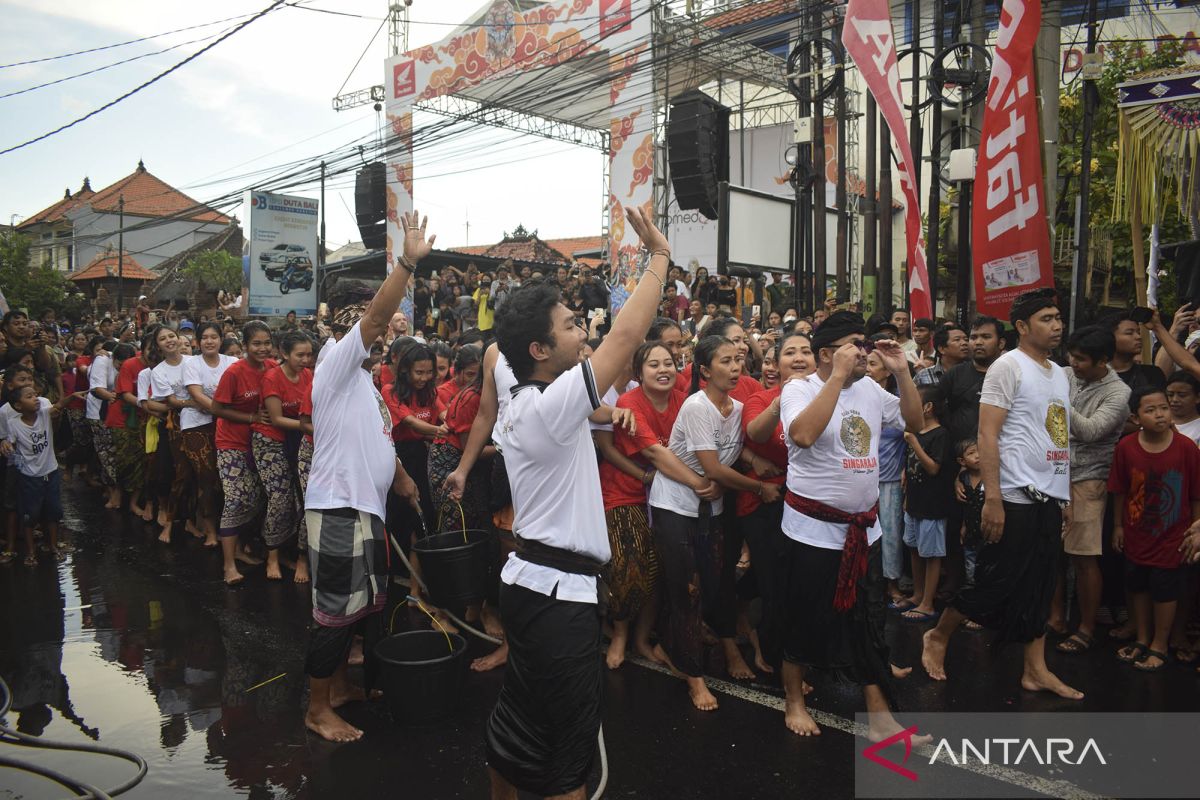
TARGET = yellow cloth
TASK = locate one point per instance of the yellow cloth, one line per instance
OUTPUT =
(152, 435)
(485, 315)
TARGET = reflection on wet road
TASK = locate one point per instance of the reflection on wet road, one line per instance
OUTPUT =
(139, 645)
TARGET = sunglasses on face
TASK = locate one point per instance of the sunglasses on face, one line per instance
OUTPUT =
(865, 345)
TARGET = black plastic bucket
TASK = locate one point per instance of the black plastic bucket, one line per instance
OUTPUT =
(455, 570)
(422, 675)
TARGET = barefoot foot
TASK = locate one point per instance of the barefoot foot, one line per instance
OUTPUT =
(350, 694)
(245, 557)
(798, 720)
(900, 672)
(614, 657)
(496, 658)
(165, 535)
(233, 577)
(330, 727)
(301, 574)
(933, 654)
(1049, 682)
(702, 698)
(735, 663)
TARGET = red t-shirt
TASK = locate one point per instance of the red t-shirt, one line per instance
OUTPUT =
(306, 408)
(386, 376)
(240, 389)
(653, 427)
(79, 381)
(460, 414)
(1159, 489)
(447, 391)
(276, 384)
(118, 411)
(401, 411)
(774, 450)
(746, 387)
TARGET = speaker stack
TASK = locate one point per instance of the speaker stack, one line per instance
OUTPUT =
(370, 204)
(697, 150)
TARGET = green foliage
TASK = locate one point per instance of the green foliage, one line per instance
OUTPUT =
(26, 286)
(215, 269)
(1122, 61)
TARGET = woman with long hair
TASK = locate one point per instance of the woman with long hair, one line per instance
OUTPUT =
(699, 290)
(443, 358)
(201, 375)
(78, 455)
(632, 574)
(276, 444)
(758, 522)
(237, 404)
(727, 328)
(707, 438)
(416, 414)
(446, 451)
(158, 467)
(169, 389)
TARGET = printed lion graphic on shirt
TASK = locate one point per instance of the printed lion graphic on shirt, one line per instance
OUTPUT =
(855, 435)
(1056, 424)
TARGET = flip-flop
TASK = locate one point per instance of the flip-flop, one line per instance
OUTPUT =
(1131, 652)
(1077, 642)
(1140, 664)
(972, 625)
(903, 604)
(913, 615)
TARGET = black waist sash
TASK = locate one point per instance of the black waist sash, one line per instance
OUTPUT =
(557, 558)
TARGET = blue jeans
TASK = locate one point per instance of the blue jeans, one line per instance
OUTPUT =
(891, 518)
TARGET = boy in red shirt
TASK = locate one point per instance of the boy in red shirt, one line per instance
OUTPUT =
(1155, 481)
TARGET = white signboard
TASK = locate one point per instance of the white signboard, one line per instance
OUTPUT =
(283, 253)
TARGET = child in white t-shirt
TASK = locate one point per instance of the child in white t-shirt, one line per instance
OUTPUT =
(30, 434)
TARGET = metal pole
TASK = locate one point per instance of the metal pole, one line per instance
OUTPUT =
(870, 289)
(321, 248)
(886, 273)
(1082, 231)
(914, 124)
(805, 292)
(742, 134)
(120, 254)
(819, 227)
(935, 183)
(966, 188)
(841, 269)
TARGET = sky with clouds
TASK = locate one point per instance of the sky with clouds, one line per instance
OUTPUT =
(257, 100)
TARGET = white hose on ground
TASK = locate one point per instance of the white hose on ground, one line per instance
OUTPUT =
(599, 736)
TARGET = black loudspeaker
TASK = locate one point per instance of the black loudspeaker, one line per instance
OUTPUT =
(370, 204)
(1186, 257)
(697, 150)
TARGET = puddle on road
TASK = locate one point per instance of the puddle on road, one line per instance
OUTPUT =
(104, 648)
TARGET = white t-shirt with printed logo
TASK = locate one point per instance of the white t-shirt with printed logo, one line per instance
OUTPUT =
(555, 481)
(699, 426)
(841, 469)
(353, 459)
(166, 380)
(197, 372)
(1034, 440)
(100, 376)
(34, 444)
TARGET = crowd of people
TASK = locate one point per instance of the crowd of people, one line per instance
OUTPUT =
(776, 484)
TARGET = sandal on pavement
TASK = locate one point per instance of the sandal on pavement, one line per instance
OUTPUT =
(1144, 667)
(30, 560)
(1131, 652)
(1077, 642)
(901, 604)
(920, 616)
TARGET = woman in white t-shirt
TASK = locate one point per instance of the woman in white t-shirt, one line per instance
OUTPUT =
(201, 374)
(707, 438)
(169, 397)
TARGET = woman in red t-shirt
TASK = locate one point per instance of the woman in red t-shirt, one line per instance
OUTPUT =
(276, 443)
(237, 404)
(765, 448)
(446, 451)
(125, 420)
(632, 574)
(416, 419)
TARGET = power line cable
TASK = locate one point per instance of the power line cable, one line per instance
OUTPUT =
(143, 85)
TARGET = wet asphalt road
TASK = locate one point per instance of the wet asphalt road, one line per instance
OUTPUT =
(138, 645)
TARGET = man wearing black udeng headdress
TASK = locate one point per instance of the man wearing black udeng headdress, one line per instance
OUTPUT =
(830, 609)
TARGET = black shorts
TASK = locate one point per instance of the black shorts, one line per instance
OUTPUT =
(541, 736)
(1162, 583)
(39, 498)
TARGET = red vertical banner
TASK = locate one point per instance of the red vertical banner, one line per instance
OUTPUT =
(1009, 234)
(870, 42)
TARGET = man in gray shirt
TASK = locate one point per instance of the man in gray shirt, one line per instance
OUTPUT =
(1099, 408)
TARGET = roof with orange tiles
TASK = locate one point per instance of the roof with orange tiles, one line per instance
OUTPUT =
(147, 195)
(752, 12)
(58, 210)
(513, 249)
(106, 264)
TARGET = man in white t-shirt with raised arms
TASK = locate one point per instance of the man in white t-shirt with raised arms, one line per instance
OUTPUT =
(1024, 420)
(541, 737)
(353, 467)
(830, 610)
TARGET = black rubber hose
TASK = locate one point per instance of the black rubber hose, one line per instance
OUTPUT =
(9, 736)
(80, 789)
